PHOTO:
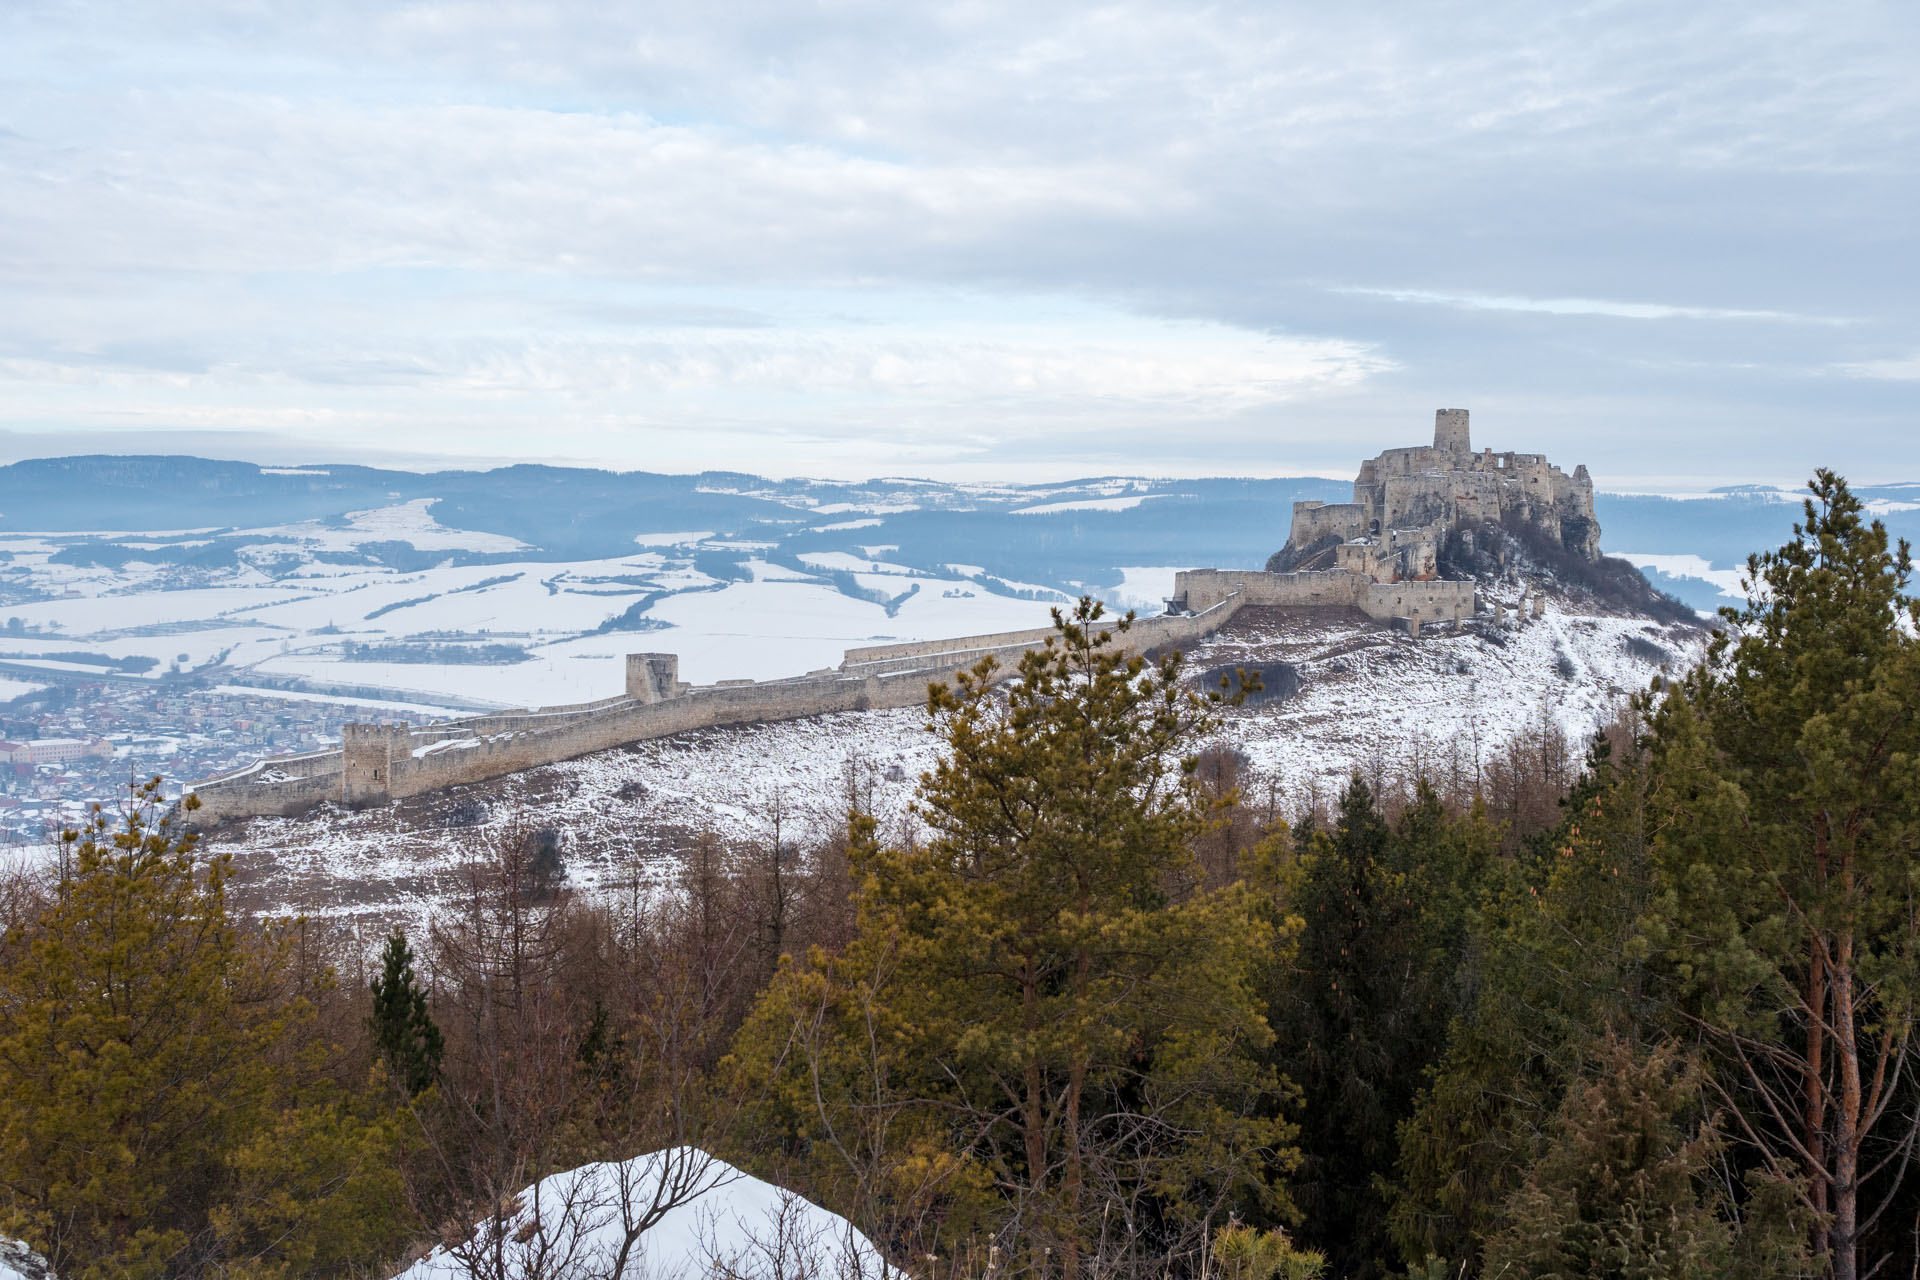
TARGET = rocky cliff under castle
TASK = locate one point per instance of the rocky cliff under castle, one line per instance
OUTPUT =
(1407, 501)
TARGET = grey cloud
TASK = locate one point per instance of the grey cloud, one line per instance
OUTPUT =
(488, 183)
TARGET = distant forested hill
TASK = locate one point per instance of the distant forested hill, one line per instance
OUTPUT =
(1052, 535)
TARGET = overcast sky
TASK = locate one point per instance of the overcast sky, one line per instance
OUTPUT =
(1021, 240)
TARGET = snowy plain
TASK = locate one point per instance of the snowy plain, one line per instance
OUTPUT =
(261, 618)
(290, 611)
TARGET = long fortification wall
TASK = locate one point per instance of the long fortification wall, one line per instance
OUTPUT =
(378, 763)
(1206, 588)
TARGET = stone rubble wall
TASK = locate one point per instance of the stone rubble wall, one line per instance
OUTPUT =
(1318, 588)
(1433, 600)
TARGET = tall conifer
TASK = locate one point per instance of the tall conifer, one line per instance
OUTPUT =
(1044, 982)
(1361, 1012)
(403, 1030)
(1790, 763)
(159, 1115)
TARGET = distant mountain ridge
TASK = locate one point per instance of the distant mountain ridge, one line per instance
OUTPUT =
(1089, 528)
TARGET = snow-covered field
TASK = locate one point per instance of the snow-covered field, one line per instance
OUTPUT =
(302, 605)
(526, 587)
(1367, 694)
(1691, 566)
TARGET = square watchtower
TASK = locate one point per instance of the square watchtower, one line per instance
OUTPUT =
(368, 754)
(653, 677)
(1450, 432)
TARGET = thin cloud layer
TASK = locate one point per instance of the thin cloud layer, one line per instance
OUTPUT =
(967, 240)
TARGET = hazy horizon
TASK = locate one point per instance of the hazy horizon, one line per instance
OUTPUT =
(271, 456)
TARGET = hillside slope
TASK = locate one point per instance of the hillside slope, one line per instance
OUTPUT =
(1342, 693)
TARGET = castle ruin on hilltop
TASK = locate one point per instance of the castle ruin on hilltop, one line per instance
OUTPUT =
(1405, 502)
(1379, 554)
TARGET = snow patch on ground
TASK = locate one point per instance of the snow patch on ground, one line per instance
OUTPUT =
(1143, 587)
(410, 522)
(726, 1223)
(18, 1262)
(677, 539)
(11, 689)
(413, 522)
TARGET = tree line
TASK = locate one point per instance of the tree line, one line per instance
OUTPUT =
(1092, 1014)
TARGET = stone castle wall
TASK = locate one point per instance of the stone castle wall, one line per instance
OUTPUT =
(1433, 600)
(380, 763)
(1313, 521)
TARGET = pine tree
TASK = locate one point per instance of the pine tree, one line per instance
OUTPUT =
(1786, 926)
(1042, 977)
(1241, 1252)
(160, 1111)
(131, 1042)
(403, 1030)
(1626, 1189)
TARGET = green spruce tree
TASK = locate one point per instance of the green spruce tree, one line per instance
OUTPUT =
(404, 1032)
(1362, 1009)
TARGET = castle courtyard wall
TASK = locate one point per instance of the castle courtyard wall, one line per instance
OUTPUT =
(1207, 588)
(1436, 600)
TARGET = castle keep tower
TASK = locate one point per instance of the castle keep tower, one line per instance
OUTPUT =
(1450, 432)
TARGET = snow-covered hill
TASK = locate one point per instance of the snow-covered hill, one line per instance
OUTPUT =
(678, 1214)
(1343, 693)
(197, 615)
